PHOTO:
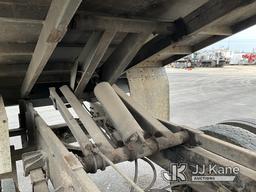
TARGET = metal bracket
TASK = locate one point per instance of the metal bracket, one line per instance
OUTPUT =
(34, 160)
(27, 123)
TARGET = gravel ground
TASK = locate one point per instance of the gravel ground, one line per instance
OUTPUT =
(199, 97)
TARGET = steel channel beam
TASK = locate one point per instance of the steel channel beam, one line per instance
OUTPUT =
(16, 49)
(175, 49)
(85, 56)
(217, 30)
(120, 116)
(202, 157)
(91, 56)
(235, 153)
(122, 56)
(27, 10)
(54, 28)
(126, 25)
(87, 121)
(73, 176)
(73, 125)
(227, 150)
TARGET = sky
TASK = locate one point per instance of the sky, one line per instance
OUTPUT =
(242, 41)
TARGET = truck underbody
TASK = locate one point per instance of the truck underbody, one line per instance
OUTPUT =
(110, 54)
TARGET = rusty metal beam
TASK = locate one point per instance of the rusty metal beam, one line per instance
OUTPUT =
(227, 150)
(235, 153)
(72, 172)
(85, 56)
(16, 49)
(91, 56)
(199, 156)
(27, 10)
(85, 118)
(127, 25)
(54, 28)
(72, 123)
(150, 147)
(217, 30)
(19, 69)
(9, 49)
(166, 53)
(122, 56)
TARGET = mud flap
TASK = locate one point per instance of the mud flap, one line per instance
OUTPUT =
(149, 86)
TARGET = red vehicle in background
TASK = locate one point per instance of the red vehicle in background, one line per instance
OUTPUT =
(250, 56)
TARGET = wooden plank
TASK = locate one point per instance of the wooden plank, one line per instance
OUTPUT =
(55, 26)
(91, 56)
(122, 56)
(5, 157)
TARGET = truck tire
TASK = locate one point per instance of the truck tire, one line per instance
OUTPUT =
(247, 124)
(232, 134)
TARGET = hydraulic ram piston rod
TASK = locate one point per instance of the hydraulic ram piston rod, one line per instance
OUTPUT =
(120, 116)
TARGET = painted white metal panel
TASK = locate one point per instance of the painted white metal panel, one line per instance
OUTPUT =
(5, 155)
